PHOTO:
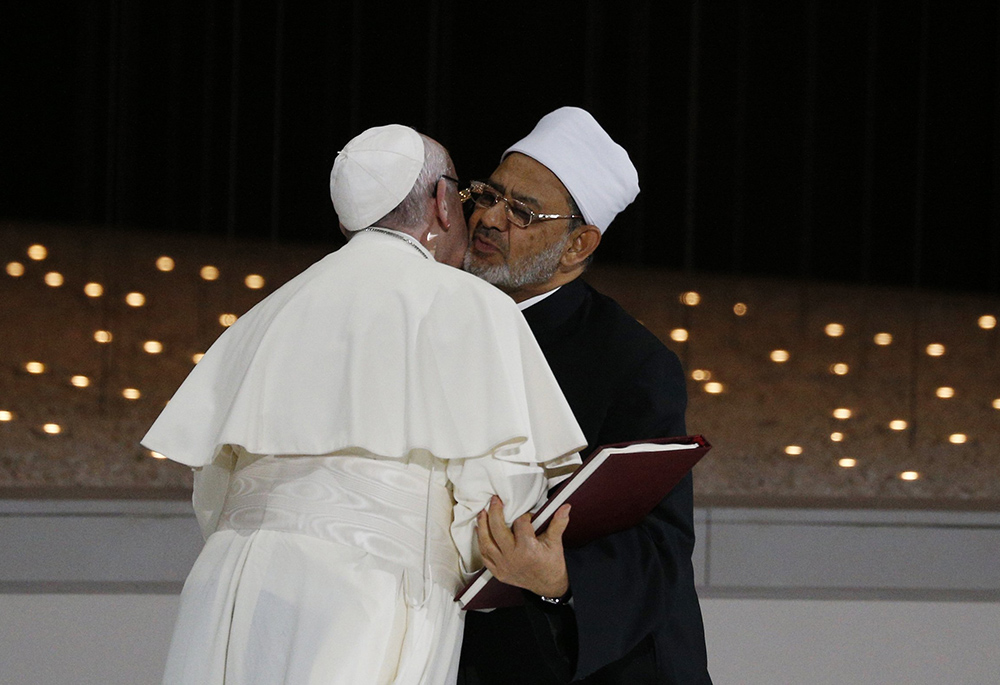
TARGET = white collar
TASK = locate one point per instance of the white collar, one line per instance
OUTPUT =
(536, 299)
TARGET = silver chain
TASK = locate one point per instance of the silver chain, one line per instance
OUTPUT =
(402, 236)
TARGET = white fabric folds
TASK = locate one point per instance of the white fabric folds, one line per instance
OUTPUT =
(307, 581)
(379, 348)
(343, 434)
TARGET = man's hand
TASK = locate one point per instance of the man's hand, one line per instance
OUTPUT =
(518, 557)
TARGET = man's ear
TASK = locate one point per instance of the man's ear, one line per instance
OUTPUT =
(583, 241)
(444, 214)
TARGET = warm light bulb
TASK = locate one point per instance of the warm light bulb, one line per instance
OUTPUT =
(196, 357)
(847, 463)
(793, 450)
(209, 272)
(987, 322)
(52, 428)
(254, 281)
(15, 269)
(958, 438)
(834, 330)
(944, 392)
(102, 336)
(996, 403)
(898, 425)
(690, 298)
(6, 415)
(34, 367)
(780, 356)
(679, 334)
(80, 381)
(131, 394)
(935, 349)
(909, 475)
(37, 252)
(227, 319)
(883, 339)
(93, 290)
(53, 279)
(701, 374)
(739, 309)
(842, 413)
(135, 299)
(152, 346)
(837, 436)
(713, 388)
(156, 455)
(165, 263)
(839, 369)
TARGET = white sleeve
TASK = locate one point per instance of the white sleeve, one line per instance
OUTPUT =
(519, 486)
(211, 482)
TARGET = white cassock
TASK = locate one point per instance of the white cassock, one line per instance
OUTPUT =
(344, 434)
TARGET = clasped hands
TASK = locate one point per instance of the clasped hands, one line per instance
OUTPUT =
(517, 556)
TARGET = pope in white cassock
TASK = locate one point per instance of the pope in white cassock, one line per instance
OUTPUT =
(345, 432)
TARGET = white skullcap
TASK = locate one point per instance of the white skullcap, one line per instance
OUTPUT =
(374, 172)
(596, 170)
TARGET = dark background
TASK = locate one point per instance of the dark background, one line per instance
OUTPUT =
(837, 140)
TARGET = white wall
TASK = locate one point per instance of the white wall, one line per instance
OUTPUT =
(838, 642)
(88, 593)
(84, 639)
(122, 640)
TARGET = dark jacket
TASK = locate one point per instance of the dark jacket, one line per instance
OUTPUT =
(636, 617)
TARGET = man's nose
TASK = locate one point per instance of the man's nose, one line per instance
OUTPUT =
(494, 217)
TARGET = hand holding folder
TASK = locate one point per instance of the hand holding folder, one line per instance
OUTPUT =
(614, 489)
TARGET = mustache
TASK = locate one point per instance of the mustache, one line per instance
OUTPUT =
(491, 235)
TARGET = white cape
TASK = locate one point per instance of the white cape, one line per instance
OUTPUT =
(379, 348)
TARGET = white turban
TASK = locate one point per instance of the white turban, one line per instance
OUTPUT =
(596, 170)
(374, 173)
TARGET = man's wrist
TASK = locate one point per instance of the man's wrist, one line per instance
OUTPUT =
(563, 599)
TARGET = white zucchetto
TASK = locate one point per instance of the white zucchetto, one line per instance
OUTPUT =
(374, 173)
(595, 169)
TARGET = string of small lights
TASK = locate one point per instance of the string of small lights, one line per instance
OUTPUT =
(708, 376)
(826, 389)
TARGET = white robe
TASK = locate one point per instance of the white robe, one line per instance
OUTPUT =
(381, 388)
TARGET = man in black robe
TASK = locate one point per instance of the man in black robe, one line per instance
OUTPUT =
(621, 609)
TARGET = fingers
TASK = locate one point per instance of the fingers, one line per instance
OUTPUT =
(553, 534)
(487, 545)
(502, 535)
(488, 550)
(522, 529)
(495, 539)
(516, 556)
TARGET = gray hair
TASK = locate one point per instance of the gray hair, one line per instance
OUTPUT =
(411, 213)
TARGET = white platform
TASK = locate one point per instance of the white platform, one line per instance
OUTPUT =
(88, 593)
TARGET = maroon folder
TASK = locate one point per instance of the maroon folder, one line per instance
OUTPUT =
(614, 489)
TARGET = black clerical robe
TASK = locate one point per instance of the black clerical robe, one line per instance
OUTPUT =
(635, 616)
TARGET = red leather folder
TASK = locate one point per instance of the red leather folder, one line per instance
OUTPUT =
(614, 489)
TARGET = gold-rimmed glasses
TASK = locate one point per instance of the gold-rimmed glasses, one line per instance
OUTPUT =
(518, 213)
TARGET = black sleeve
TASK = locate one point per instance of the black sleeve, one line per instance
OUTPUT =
(624, 584)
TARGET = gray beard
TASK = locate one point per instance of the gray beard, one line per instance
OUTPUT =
(531, 270)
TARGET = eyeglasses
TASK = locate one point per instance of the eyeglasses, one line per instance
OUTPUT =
(461, 194)
(518, 213)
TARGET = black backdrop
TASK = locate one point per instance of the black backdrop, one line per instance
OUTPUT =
(854, 141)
